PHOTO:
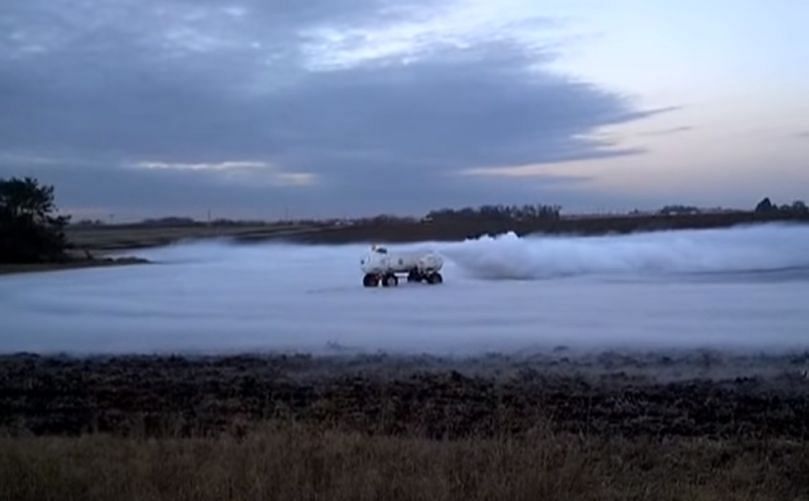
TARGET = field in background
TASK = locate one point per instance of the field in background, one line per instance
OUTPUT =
(104, 238)
(92, 244)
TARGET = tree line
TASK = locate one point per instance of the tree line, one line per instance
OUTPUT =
(796, 208)
(498, 213)
(31, 230)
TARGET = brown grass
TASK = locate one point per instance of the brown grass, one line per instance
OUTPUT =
(377, 427)
(302, 462)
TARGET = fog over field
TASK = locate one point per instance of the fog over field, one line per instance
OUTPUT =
(745, 288)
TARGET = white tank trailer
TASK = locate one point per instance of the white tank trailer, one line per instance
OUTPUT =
(382, 267)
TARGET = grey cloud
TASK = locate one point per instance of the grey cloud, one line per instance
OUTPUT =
(131, 193)
(457, 110)
(668, 132)
(193, 82)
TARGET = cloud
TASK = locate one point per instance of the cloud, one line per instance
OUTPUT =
(247, 171)
(220, 166)
(668, 132)
(527, 172)
(356, 102)
(459, 108)
(17, 158)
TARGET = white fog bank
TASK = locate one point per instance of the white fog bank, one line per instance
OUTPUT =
(744, 288)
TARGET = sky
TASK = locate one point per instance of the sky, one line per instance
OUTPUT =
(261, 109)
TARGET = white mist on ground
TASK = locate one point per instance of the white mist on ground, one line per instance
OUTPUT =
(749, 249)
(745, 288)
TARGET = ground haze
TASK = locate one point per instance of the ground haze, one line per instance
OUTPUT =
(741, 288)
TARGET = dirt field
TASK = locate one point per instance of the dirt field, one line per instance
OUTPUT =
(106, 238)
(559, 425)
(103, 238)
(689, 394)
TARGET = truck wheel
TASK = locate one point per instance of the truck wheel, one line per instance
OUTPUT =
(435, 278)
(390, 281)
(414, 276)
(370, 280)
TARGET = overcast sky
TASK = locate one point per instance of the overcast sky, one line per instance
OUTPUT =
(324, 108)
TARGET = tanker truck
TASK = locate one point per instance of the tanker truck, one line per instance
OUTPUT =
(381, 266)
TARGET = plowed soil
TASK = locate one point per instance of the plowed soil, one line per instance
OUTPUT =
(693, 394)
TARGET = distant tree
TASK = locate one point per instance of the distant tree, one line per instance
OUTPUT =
(29, 229)
(170, 221)
(799, 208)
(766, 207)
(674, 210)
(497, 213)
(89, 222)
(386, 218)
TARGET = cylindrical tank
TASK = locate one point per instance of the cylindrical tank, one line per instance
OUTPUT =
(379, 261)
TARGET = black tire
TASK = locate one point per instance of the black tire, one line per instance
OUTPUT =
(370, 280)
(414, 276)
(435, 278)
(390, 281)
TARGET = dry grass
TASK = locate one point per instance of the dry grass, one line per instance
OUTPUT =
(296, 462)
(300, 427)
